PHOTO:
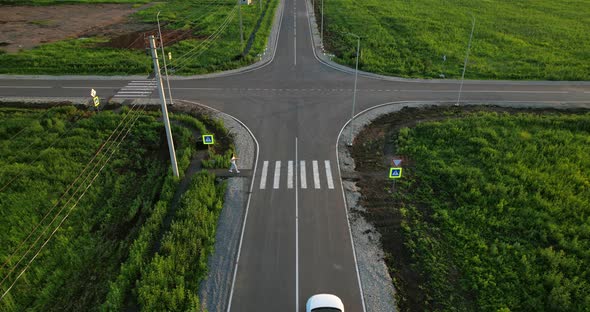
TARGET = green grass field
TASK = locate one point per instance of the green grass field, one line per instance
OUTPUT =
(105, 244)
(530, 39)
(495, 212)
(215, 47)
(52, 2)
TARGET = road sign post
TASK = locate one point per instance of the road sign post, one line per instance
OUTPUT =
(395, 173)
(208, 139)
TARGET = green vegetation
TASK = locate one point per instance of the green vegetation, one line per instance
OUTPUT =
(170, 282)
(207, 50)
(219, 154)
(532, 39)
(54, 2)
(495, 212)
(76, 56)
(109, 236)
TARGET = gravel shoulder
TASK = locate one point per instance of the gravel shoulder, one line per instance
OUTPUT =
(216, 287)
(378, 290)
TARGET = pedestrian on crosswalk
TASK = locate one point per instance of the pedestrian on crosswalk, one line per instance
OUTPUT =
(233, 164)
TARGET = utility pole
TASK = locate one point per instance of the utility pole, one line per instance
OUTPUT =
(164, 57)
(322, 26)
(466, 57)
(164, 108)
(241, 30)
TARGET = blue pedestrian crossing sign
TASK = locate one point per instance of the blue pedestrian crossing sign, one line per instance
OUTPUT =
(208, 139)
(395, 173)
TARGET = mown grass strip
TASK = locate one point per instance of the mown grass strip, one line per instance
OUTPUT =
(533, 40)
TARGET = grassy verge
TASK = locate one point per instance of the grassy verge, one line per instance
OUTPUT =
(535, 40)
(97, 254)
(125, 286)
(491, 214)
(203, 51)
(170, 282)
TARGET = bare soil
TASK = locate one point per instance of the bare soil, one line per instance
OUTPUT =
(373, 152)
(25, 27)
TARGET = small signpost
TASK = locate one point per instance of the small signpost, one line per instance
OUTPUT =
(208, 139)
(95, 98)
(395, 173)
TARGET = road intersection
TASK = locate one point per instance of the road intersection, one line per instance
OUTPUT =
(296, 240)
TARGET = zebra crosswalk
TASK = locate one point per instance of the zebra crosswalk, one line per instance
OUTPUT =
(137, 89)
(320, 175)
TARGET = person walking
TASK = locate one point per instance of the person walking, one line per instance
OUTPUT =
(233, 164)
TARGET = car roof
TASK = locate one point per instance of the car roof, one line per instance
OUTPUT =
(325, 301)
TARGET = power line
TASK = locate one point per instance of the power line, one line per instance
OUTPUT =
(68, 213)
(206, 43)
(215, 34)
(70, 186)
(39, 156)
(219, 3)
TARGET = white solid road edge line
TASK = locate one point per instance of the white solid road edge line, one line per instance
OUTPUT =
(358, 276)
(26, 87)
(296, 233)
(231, 293)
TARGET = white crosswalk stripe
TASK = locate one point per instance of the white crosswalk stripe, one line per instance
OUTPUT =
(292, 169)
(137, 89)
(316, 174)
(277, 174)
(303, 177)
(290, 174)
(329, 175)
(263, 175)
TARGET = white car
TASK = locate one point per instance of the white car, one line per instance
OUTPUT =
(324, 303)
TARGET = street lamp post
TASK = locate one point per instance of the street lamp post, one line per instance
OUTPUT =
(164, 57)
(356, 74)
(466, 57)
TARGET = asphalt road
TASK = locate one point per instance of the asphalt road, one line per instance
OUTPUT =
(296, 239)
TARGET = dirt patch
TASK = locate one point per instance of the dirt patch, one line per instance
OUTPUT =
(139, 39)
(372, 152)
(25, 27)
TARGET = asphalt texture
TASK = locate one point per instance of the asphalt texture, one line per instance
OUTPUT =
(296, 241)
